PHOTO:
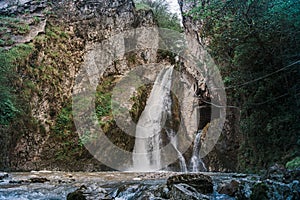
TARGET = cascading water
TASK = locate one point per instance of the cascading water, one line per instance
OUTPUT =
(173, 140)
(197, 164)
(146, 152)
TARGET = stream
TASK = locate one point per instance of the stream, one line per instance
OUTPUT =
(49, 185)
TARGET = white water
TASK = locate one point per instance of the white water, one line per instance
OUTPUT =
(173, 140)
(146, 152)
(197, 164)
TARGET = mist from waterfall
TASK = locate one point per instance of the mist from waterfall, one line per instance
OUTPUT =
(196, 163)
(146, 152)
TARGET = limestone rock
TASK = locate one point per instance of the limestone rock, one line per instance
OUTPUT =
(186, 192)
(202, 183)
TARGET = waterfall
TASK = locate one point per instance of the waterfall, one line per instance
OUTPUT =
(146, 152)
(173, 140)
(197, 164)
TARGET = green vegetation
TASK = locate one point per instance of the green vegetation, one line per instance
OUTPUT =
(66, 137)
(139, 101)
(9, 26)
(104, 113)
(10, 60)
(293, 164)
(103, 99)
(27, 71)
(162, 15)
(253, 39)
(64, 122)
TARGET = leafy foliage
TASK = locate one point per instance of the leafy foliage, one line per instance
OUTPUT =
(9, 60)
(103, 98)
(293, 164)
(252, 39)
(162, 15)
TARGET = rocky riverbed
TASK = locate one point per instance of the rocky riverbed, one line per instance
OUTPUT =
(153, 185)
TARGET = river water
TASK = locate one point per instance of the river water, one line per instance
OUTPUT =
(130, 186)
(18, 185)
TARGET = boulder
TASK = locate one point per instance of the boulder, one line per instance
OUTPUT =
(292, 175)
(202, 183)
(260, 191)
(230, 188)
(275, 172)
(185, 192)
(76, 195)
(3, 175)
(92, 192)
(38, 180)
(281, 174)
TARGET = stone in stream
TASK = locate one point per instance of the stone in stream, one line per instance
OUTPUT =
(202, 183)
(92, 192)
(3, 175)
(275, 172)
(229, 188)
(281, 174)
(260, 191)
(186, 192)
(38, 180)
(76, 195)
(239, 175)
(292, 175)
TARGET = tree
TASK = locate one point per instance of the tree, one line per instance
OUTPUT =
(256, 44)
(161, 13)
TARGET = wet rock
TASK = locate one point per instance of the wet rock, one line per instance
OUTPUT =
(295, 189)
(259, 191)
(239, 176)
(133, 191)
(92, 192)
(202, 183)
(76, 195)
(292, 175)
(3, 175)
(185, 192)
(38, 180)
(230, 188)
(244, 191)
(162, 192)
(16, 181)
(275, 172)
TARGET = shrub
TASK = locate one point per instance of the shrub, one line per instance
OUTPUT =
(293, 164)
(162, 15)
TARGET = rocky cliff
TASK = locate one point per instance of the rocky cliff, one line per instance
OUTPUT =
(213, 109)
(58, 35)
(58, 39)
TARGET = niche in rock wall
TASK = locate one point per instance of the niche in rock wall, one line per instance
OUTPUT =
(207, 113)
(204, 116)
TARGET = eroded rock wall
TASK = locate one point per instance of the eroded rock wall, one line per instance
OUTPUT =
(211, 102)
(64, 34)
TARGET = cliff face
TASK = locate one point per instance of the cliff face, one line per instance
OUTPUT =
(61, 35)
(61, 38)
(212, 103)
